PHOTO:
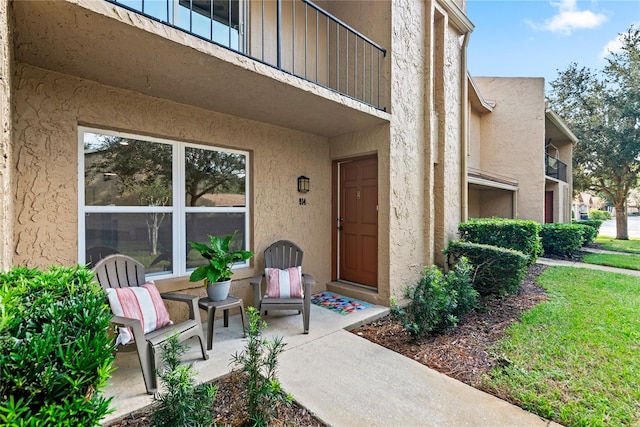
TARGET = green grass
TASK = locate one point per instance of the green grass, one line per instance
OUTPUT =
(611, 244)
(574, 359)
(630, 262)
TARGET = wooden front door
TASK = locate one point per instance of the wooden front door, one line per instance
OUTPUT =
(548, 207)
(358, 222)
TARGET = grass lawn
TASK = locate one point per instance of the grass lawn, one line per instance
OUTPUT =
(574, 359)
(611, 244)
(630, 262)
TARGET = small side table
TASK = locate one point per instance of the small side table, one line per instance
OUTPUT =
(211, 307)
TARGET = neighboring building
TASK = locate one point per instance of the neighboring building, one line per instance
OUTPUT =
(209, 111)
(585, 202)
(519, 158)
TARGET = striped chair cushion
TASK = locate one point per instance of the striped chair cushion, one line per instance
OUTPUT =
(284, 283)
(139, 302)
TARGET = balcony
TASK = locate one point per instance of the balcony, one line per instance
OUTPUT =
(554, 168)
(286, 63)
(294, 36)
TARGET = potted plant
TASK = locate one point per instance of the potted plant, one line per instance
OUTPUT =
(217, 272)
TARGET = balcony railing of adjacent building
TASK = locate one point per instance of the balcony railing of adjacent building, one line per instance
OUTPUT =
(294, 36)
(555, 168)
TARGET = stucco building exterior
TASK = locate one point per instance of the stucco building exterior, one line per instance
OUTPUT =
(520, 153)
(366, 99)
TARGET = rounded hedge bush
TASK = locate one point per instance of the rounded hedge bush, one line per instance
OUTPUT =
(56, 352)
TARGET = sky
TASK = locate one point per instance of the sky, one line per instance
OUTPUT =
(538, 38)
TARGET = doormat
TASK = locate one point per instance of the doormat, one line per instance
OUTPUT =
(338, 303)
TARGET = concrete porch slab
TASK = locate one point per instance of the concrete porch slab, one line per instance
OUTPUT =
(127, 385)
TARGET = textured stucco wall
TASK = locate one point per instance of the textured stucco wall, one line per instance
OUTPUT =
(512, 138)
(6, 131)
(408, 251)
(475, 126)
(453, 138)
(48, 108)
(498, 203)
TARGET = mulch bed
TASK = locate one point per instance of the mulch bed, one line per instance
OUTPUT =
(464, 352)
(230, 411)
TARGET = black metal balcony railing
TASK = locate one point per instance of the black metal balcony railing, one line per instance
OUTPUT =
(555, 168)
(294, 36)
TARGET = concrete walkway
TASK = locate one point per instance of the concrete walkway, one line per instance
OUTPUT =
(344, 379)
(578, 264)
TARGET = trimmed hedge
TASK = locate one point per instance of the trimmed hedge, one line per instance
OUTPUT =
(595, 224)
(55, 349)
(497, 270)
(600, 215)
(518, 234)
(562, 239)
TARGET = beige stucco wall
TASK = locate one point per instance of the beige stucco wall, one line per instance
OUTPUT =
(419, 151)
(48, 108)
(454, 141)
(512, 138)
(475, 127)
(6, 132)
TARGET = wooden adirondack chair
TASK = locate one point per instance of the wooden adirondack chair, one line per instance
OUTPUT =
(283, 254)
(120, 271)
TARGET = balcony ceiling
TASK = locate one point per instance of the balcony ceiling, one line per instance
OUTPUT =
(95, 40)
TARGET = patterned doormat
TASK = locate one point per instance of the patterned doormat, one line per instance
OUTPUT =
(338, 303)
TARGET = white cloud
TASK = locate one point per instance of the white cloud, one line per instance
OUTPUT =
(614, 45)
(569, 18)
(611, 47)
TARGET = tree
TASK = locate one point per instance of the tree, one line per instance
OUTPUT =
(603, 110)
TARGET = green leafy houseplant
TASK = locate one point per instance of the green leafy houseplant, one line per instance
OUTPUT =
(220, 259)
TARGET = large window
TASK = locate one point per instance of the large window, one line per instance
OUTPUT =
(148, 198)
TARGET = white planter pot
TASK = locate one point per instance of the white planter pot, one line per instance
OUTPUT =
(218, 291)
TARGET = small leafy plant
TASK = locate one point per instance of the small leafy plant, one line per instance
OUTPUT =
(437, 300)
(184, 403)
(259, 361)
(220, 258)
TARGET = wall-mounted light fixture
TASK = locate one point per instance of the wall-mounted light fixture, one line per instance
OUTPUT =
(303, 184)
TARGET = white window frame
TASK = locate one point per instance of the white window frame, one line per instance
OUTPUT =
(178, 209)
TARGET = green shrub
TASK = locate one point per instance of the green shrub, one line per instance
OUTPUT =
(562, 239)
(184, 403)
(601, 215)
(259, 361)
(56, 353)
(496, 271)
(437, 300)
(588, 233)
(593, 223)
(517, 234)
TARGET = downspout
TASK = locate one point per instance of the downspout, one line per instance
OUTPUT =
(464, 128)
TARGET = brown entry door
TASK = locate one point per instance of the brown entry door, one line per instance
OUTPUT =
(358, 222)
(548, 207)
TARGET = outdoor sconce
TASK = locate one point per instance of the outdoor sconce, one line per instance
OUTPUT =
(303, 184)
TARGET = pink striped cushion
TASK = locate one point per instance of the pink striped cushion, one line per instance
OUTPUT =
(139, 302)
(284, 283)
